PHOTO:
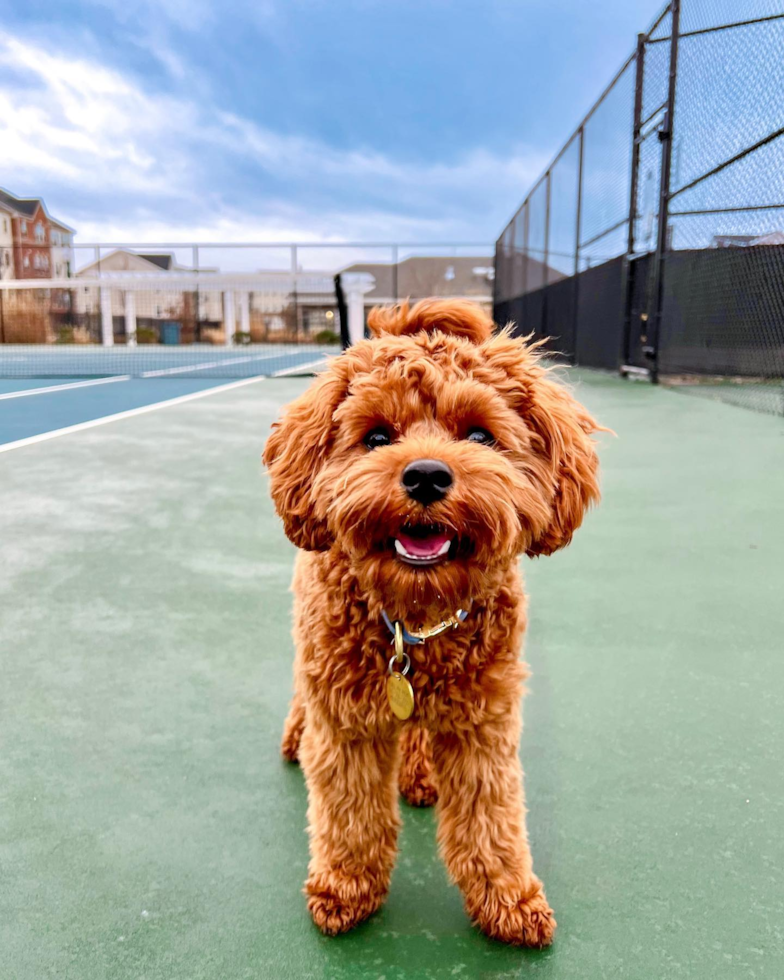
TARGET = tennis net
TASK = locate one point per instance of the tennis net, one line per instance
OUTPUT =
(180, 324)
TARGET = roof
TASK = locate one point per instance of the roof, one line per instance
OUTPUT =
(164, 260)
(23, 205)
(420, 276)
(27, 206)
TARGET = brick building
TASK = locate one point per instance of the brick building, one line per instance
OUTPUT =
(41, 246)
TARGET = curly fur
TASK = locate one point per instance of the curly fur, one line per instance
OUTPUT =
(429, 373)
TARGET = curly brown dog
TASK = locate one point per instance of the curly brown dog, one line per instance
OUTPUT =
(413, 473)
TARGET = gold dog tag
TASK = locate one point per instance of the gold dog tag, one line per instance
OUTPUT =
(400, 695)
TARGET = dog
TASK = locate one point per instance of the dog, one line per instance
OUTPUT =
(412, 475)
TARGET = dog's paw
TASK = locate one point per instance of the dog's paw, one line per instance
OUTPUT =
(337, 904)
(289, 745)
(416, 786)
(527, 922)
(415, 779)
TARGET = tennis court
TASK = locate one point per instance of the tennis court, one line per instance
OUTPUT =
(148, 828)
(48, 388)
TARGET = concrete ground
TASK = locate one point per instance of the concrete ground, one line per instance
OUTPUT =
(149, 831)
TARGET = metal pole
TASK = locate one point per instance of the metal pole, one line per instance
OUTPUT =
(577, 234)
(579, 217)
(638, 83)
(547, 229)
(545, 271)
(394, 273)
(651, 350)
(195, 264)
(633, 193)
(294, 289)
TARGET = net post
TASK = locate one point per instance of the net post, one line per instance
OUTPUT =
(229, 318)
(130, 318)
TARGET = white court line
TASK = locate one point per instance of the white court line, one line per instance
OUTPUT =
(44, 390)
(130, 413)
(301, 367)
(198, 366)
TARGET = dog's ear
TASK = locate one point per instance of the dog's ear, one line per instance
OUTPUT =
(561, 436)
(294, 453)
(460, 318)
(564, 428)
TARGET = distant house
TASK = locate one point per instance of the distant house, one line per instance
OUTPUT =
(420, 276)
(154, 301)
(747, 241)
(39, 242)
(124, 260)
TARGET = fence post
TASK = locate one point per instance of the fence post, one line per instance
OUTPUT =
(628, 275)
(547, 230)
(634, 183)
(579, 216)
(665, 135)
(577, 232)
(546, 257)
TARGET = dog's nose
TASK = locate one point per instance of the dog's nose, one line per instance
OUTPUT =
(427, 480)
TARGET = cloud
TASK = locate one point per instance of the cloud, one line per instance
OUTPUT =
(141, 165)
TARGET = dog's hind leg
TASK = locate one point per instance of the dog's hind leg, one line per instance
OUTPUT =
(416, 772)
(292, 730)
(353, 822)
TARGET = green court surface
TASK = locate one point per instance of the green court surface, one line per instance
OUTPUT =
(149, 830)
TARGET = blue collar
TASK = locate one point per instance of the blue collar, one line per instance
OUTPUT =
(412, 639)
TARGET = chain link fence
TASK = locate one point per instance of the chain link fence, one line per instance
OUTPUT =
(654, 243)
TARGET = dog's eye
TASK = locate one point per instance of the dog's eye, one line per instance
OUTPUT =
(482, 436)
(377, 437)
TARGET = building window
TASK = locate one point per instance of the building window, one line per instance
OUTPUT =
(24, 227)
(5, 224)
(26, 262)
(40, 234)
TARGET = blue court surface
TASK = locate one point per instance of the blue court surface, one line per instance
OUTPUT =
(156, 360)
(45, 390)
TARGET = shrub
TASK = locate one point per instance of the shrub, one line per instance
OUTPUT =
(327, 337)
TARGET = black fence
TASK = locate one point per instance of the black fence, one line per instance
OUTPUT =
(654, 243)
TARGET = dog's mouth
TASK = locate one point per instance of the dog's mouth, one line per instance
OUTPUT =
(423, 545)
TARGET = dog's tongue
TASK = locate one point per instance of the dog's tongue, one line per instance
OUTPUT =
(428, 546)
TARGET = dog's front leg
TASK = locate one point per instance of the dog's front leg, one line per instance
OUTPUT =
(353, 821)
(481, 830)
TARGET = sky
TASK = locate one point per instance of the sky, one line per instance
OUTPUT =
(297, 120)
